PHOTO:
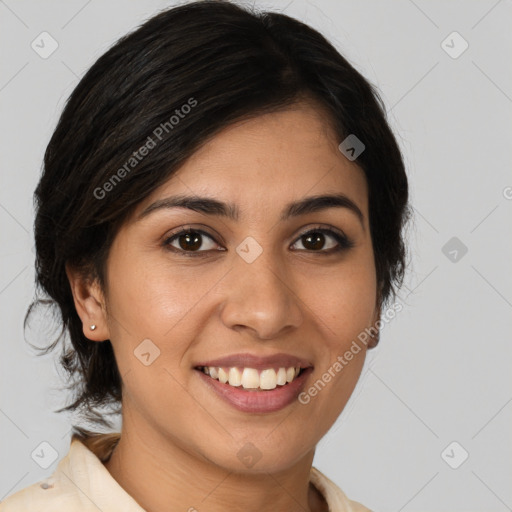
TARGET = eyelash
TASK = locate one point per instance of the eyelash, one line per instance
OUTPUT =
(344, 243)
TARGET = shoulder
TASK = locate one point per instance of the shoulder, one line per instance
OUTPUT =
(335, 497)
(71, 487)
(43, 496)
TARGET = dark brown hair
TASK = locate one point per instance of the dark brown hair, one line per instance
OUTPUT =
(226, 63)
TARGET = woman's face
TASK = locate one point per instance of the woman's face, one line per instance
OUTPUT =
(251, 285)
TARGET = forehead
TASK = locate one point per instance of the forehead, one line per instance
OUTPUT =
(269, 160)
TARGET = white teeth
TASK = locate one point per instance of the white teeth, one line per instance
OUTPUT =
(268, 379)
(235, 379)
(250, 378)
(281, 377)
(223, 376)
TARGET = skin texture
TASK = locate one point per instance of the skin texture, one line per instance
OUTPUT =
(179, 441)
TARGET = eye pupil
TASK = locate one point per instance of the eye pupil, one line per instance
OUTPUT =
(318, 240)
(195, 238)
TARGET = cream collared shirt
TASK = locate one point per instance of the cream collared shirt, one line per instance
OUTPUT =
(81, 483)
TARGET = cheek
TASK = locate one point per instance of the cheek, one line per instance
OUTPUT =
(150, 299)
(147, 295)
(344, 300)
(341, 312)
(343, 305)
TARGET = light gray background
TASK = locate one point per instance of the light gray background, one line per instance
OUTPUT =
(442, 370)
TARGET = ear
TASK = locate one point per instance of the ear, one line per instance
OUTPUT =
(90, 305)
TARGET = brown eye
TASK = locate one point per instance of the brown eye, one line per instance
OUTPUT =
(190, 241)
(315, 240)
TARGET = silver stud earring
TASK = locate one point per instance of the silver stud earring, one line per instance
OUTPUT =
(92, 327)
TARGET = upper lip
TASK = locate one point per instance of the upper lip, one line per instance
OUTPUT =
(246, 360)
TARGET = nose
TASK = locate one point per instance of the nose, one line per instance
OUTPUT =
(260, 298)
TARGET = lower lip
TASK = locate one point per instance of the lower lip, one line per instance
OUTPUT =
(258, 401)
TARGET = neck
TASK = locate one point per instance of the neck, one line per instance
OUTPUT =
(162, 475)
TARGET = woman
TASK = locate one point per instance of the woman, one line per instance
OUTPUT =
(219, 222)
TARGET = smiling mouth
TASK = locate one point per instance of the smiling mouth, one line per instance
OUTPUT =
(251, 379)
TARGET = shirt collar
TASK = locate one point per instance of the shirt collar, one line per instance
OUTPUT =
(87, 484)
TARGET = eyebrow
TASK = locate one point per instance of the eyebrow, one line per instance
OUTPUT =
(210, 206)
